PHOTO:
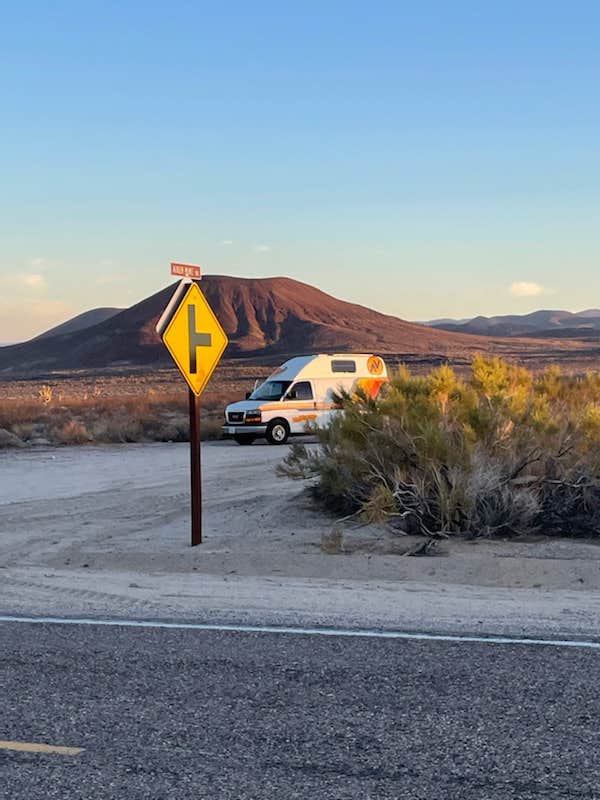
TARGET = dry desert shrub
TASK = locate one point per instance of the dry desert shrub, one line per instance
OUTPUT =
(502, 452)
(24, 430)
(72, 432)
(117, 428)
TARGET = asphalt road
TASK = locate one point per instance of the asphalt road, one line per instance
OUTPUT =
(189, 714)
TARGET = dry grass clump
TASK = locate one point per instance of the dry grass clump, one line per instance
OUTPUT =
(332, 542)
(501, 452)
(45, 393)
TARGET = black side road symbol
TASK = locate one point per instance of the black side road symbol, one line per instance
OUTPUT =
(195, 339)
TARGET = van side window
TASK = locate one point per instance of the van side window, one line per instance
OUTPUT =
(302, 390)
(337, 365)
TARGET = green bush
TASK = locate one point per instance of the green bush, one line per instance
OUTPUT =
(502, 452)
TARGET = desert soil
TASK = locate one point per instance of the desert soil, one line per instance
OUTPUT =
(104, 531)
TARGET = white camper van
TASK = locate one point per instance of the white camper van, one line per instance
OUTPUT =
(301, 391)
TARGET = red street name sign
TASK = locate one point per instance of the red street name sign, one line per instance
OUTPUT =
(186, 270)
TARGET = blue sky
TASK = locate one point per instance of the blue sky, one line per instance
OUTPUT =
(427, 159)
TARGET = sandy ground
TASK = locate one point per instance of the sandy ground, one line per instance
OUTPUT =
(105, 531)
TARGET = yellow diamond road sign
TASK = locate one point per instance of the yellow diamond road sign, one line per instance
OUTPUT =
(193, 335)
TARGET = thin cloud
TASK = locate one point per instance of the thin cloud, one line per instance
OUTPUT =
(24, 280)
(262, 248)
(34, 281)
(528, 289)
(227, 241)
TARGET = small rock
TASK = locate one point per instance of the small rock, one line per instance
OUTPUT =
(8, 439)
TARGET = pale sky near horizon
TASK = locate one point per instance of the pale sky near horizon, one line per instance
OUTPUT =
(428, 160)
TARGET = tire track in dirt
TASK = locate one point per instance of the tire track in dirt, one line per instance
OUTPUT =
(77, 597)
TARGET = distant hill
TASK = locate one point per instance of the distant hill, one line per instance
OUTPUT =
(80, 322)
(543, 323)
(591, 312)
(268, 318)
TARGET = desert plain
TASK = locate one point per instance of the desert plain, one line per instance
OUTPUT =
(94, 531)
(94, 486)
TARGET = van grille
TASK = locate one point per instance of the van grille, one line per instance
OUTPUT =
(235, 416)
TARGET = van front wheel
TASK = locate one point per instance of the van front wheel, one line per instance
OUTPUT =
(278, 432)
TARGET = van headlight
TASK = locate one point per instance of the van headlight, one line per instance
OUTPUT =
(253, 417)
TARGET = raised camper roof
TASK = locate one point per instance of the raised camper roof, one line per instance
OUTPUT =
(330, 365)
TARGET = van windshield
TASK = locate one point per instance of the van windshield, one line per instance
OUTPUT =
(270, 390)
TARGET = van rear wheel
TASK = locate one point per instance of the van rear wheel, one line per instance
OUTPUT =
(277, 431)
(244, 438)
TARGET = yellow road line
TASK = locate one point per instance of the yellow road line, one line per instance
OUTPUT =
(32, 747)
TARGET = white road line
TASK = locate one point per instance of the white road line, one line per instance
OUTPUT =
(300, 631)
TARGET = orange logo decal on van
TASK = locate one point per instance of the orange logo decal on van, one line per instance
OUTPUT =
(304, 418)
(371, 386)
(375, 365)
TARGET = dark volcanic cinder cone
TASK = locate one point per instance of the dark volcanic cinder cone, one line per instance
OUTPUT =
(264, 318)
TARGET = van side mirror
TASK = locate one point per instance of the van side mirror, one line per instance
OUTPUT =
(248, 395)
(293, 395)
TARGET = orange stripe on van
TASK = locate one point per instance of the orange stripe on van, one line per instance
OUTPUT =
(296, 404)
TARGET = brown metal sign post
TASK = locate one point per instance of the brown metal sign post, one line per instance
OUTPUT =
(196, 469)
(196, 341)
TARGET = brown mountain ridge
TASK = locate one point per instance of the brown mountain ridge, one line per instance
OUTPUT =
(267, 318)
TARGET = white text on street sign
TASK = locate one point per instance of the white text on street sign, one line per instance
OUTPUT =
(186, 270)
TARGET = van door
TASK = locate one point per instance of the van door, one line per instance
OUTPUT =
(300, 406)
